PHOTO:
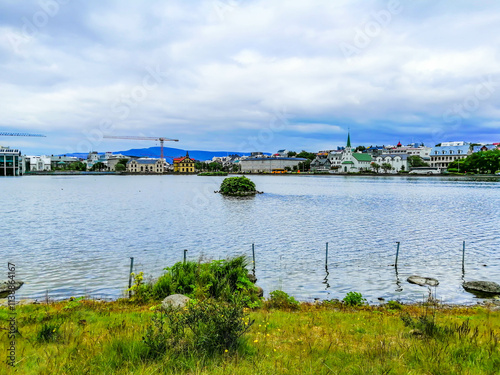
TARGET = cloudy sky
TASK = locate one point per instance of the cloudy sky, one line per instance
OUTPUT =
(248, 75)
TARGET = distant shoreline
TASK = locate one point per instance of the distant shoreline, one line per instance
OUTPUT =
(78, 173)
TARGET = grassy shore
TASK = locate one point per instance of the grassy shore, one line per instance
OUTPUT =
(89, 337)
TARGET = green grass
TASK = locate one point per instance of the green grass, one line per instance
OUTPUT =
(107, 338)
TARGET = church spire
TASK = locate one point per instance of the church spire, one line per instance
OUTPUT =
(348, 139)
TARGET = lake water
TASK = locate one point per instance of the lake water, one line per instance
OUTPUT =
(74, 235)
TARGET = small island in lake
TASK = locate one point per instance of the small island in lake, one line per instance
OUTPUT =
(238, 186)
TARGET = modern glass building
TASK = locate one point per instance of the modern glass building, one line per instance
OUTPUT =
(10, 162)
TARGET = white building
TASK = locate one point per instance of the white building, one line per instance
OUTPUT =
(39, 163)
(260, 164)
(448, 152)
(423, 151)
(398, 162)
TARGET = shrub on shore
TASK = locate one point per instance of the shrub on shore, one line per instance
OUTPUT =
(354, 299)
(205, 327)
(281, 300)
(219, 279)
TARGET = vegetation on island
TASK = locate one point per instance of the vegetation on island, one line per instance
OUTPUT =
(237, 186)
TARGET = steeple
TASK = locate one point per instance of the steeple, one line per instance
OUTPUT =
(187, 155)
(348, 139)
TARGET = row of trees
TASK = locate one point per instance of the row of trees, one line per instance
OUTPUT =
(215, 167)
(478, 162)
(97, 167)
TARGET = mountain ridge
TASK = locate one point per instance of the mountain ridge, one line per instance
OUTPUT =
(170, 153)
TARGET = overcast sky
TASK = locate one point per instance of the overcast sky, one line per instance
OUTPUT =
(248, 75)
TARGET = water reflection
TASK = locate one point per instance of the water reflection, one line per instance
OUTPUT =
(399, 288)
(325, 280)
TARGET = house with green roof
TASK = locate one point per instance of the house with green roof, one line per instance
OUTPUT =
(353, 162)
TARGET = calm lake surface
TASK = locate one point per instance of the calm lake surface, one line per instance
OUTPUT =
(74, 235)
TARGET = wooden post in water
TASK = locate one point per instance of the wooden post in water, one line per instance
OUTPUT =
(397, 255)
(185, 252)
(130, 277)
(253, 258)
(326, 256)
(463, 257)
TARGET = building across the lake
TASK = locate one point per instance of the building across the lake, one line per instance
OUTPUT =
(448, 152)
(184, 164)
(38, 163)
(258, 165)
(11, 162)
(353, 162)
(398, 162)
(146, 165)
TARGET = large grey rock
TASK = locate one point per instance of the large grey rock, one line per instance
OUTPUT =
(6, 288)
(423, 281)
(488, 287)
(176, 301)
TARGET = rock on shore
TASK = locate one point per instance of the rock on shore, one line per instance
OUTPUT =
(423, 281)
(6, 288)
(176, 301)
(488, 287)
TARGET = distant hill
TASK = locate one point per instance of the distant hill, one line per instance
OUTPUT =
(170, 153)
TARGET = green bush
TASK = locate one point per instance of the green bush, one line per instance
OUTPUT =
(205, 327)
(219, 279)
(354, 299)
(394, 305)
(142, 291)
(281, 300)
(237, 185)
